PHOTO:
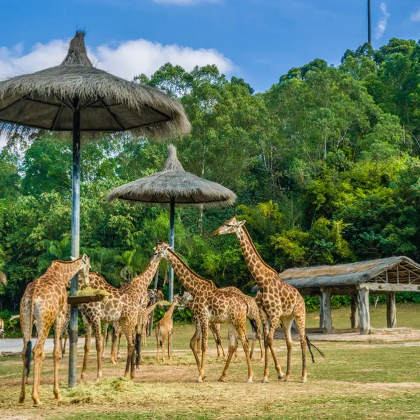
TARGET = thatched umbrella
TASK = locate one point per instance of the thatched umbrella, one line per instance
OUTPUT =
(75, 96)
(173, 185)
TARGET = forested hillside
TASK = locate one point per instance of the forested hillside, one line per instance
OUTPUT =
(325, 165)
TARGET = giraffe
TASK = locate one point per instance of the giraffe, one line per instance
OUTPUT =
(210, 305)
(46, 302)
(278, 301)
(121, 306)
(164, 329)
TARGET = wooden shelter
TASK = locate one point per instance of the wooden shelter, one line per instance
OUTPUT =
(384, 276)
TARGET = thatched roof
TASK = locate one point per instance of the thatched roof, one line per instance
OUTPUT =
(174, 182)
(44, 100)
(353, 274)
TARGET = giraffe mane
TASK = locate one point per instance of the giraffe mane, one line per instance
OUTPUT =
(255, 250)
(191, 271)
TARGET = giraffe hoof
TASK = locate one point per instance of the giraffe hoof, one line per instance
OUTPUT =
(303, 380)
(286, 378)
(222, 379)
(249, 381)
(37, 403)
(264, 380)
(200, 380)
(281, 376)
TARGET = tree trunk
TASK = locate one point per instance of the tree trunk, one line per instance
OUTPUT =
(326, 309)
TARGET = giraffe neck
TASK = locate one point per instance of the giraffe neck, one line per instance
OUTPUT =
(171, 309)
(150, 308)
(192, 282)
(142, 281)
(262, 273)
(65, 271)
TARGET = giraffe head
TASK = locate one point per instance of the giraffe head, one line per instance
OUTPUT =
(187, 299)
(84, 269)
(230, 226)
(161, 251)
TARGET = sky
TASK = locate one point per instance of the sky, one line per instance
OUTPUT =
(258, 40)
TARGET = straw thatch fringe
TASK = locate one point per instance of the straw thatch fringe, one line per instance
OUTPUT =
(174, 182)
(134, 106)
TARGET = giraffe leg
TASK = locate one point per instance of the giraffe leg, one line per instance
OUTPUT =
(169, 344)
(114, 345)
(300, 322)
(204, 341)
(286, 326)
(157, 343)
(194, 342)
(240, 328)
(163, 347)
(233, 344)
(63, 350)
(88, 336)
(105, 338)
(39, 356)
(213, 331)
(269, 328)
(98, 339)
(119, 344)
(26, 335)
(57, 350)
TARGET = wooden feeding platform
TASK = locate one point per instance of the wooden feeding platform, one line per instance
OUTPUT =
(78, 300)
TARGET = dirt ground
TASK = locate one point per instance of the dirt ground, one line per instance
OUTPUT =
(356, 380)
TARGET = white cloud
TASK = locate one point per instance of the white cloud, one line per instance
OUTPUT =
(185, 2)
(383, 21)
(415, 17)
(126, 59)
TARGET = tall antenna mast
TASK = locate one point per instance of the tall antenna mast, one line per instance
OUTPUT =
(369, 24)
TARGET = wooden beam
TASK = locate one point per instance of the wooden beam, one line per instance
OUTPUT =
(391, 311)
(364, 314)
(326, 309)
(321, 312)
(389, 287)
(354, 317)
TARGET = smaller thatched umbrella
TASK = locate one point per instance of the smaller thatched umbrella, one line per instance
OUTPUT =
(173, 185)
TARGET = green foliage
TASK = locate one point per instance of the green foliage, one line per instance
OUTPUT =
(325, 165)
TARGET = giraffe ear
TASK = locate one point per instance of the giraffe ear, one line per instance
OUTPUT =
(241, 222)
(73, 258)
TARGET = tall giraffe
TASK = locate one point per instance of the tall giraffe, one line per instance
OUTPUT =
(47, 303)
(278, 301)
(121, 306)
(210, 305)
(165, 329)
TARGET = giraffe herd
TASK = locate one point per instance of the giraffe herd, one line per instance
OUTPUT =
(130, 307)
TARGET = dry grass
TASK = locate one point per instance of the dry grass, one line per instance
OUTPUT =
(355, 381)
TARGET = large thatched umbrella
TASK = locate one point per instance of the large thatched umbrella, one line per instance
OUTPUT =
(173, 185)
(75, 96)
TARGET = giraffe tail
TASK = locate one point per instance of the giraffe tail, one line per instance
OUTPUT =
(310, 345)
(28, 356)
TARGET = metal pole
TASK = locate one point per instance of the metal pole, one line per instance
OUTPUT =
(172, 243)
(369, 24)
(75, 241)
(153, 312)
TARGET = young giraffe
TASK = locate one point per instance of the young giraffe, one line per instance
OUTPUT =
(121, 306)
(210, 305)
(47, 302)
(278, 301)
(165, 329)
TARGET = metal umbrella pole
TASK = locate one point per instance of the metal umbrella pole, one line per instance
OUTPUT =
(75, 242)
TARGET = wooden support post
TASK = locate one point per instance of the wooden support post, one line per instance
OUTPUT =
(391, 311)
(354, 317)
(321, 312)
(172, 243)
(364, 314)
(326, 309)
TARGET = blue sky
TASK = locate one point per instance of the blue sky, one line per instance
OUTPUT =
(258, 40)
